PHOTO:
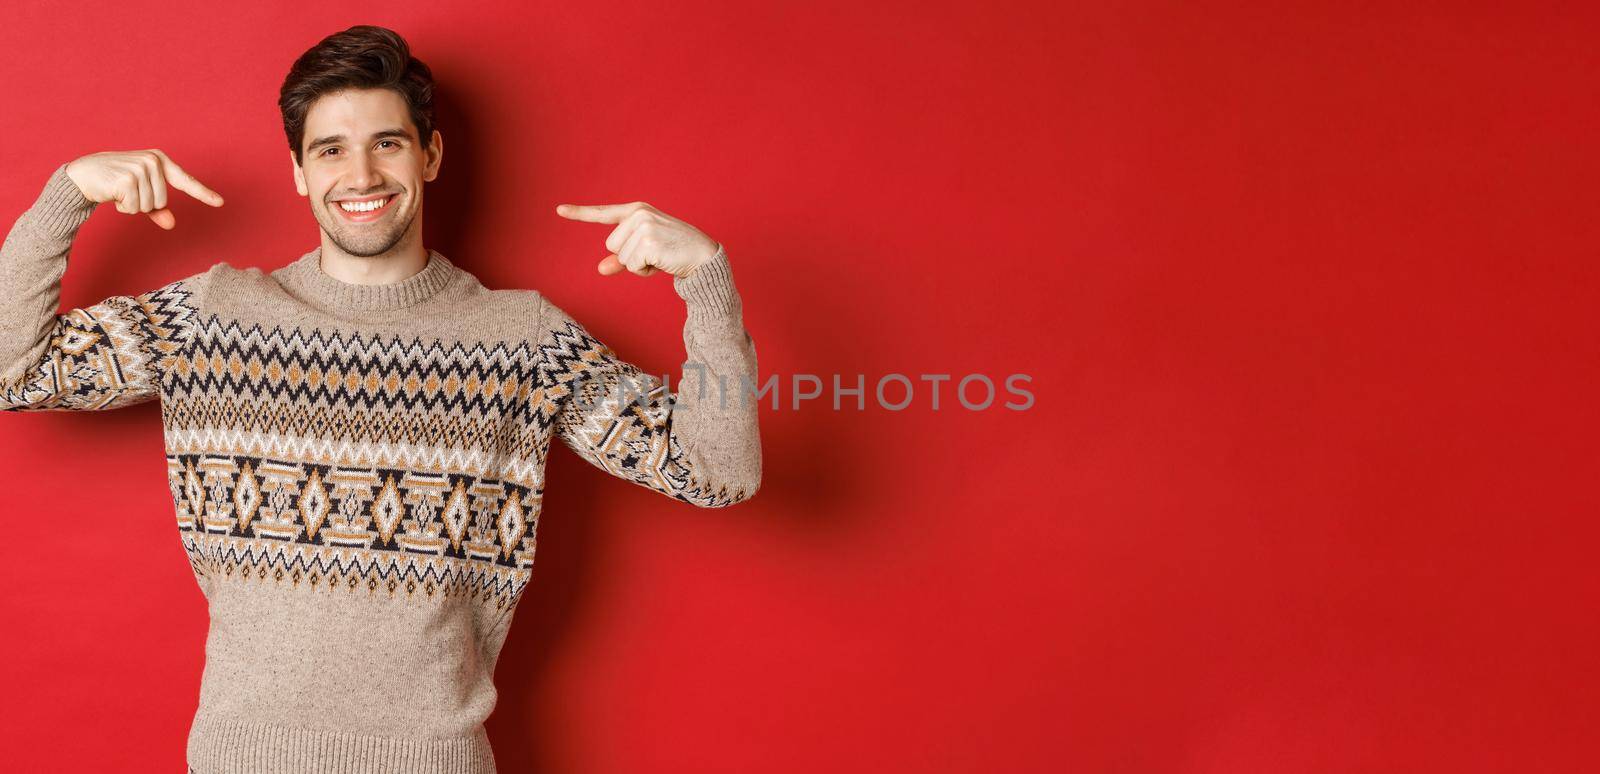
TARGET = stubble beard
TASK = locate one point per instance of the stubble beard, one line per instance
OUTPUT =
(362, 241)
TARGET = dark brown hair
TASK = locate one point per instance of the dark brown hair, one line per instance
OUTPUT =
(362, 57)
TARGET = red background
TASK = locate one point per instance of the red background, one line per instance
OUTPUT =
(1308, 297)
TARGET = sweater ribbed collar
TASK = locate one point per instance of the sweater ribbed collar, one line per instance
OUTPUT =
(307, 279)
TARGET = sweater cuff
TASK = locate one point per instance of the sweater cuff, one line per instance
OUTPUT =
(709, 287)
(61, 208)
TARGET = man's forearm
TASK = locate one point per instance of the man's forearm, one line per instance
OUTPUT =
(32, 262)
(715, 419)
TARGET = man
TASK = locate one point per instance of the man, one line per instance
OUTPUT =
(356, 441)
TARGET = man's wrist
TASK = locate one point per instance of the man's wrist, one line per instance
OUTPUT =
(61, 207)
(708, 286)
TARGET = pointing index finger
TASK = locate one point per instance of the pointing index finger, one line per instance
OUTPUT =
(595, 213)
(180, 179)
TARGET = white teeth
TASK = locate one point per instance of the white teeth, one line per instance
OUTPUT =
(363, 206)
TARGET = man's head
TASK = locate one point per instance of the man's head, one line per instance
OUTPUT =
(358, 112)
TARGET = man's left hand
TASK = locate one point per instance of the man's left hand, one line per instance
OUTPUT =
(645, 239)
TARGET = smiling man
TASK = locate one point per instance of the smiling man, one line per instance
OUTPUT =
(356, 441)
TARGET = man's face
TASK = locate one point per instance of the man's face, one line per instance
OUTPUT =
(361, 153)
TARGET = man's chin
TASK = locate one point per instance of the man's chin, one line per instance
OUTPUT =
(365, 245)
(357, 241)
(364, 251)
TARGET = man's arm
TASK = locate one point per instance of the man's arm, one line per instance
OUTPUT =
(706, 450)
(102, 356)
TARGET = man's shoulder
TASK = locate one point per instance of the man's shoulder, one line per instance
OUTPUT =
(520, 296)
(196, 285)
(519, 304)
(223, 289)
(225, 269)
(224, 278)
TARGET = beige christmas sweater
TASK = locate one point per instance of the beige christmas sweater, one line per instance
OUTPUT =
(357, 472)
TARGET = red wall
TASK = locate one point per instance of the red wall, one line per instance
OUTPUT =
(1307, 296)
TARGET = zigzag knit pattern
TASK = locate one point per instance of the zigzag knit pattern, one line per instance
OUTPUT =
(107, 355)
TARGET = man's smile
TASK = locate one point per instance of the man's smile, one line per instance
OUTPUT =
(364, 209)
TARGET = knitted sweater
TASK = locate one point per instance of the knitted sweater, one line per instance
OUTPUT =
(357, 472)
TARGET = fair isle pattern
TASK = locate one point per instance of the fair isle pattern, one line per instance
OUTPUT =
(359, 462)
(324, 459)
(332, 460)
(357, 529)
(618, 418)
(107, 355)
(356, 400)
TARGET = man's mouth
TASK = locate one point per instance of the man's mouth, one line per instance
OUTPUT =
(362, 210)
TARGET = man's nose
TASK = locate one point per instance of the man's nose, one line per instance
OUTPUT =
(363, 173)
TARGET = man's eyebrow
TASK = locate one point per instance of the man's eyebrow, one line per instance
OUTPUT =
(378, 135)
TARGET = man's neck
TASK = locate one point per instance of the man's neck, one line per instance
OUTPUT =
(397, 264)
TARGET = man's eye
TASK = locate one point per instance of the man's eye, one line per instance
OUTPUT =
(391, 142)
(328, 151)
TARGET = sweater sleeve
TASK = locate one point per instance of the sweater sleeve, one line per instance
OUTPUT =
(103, 356)
(699, 444)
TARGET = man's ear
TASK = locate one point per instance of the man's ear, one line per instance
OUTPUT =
(435, 155)
(299, 175)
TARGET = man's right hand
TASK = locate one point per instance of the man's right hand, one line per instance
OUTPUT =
(137, 181)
